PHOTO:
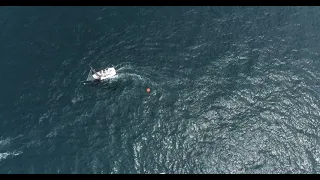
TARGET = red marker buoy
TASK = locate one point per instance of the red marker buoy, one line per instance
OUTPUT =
(148, 90)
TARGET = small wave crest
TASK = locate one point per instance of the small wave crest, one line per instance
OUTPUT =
(9, 154)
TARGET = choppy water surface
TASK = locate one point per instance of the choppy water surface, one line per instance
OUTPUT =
(233, 90)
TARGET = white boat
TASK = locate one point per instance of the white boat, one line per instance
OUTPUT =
(102, 74)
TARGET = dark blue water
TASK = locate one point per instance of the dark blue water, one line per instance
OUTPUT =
(233, 90)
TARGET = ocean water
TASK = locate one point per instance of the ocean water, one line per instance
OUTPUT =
(233, 90)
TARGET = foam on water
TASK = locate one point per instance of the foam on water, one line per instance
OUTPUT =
(5, 155)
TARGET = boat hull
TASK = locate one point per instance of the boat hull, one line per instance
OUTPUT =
(104, 74)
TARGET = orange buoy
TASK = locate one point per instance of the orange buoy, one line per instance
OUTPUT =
(148, 90)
